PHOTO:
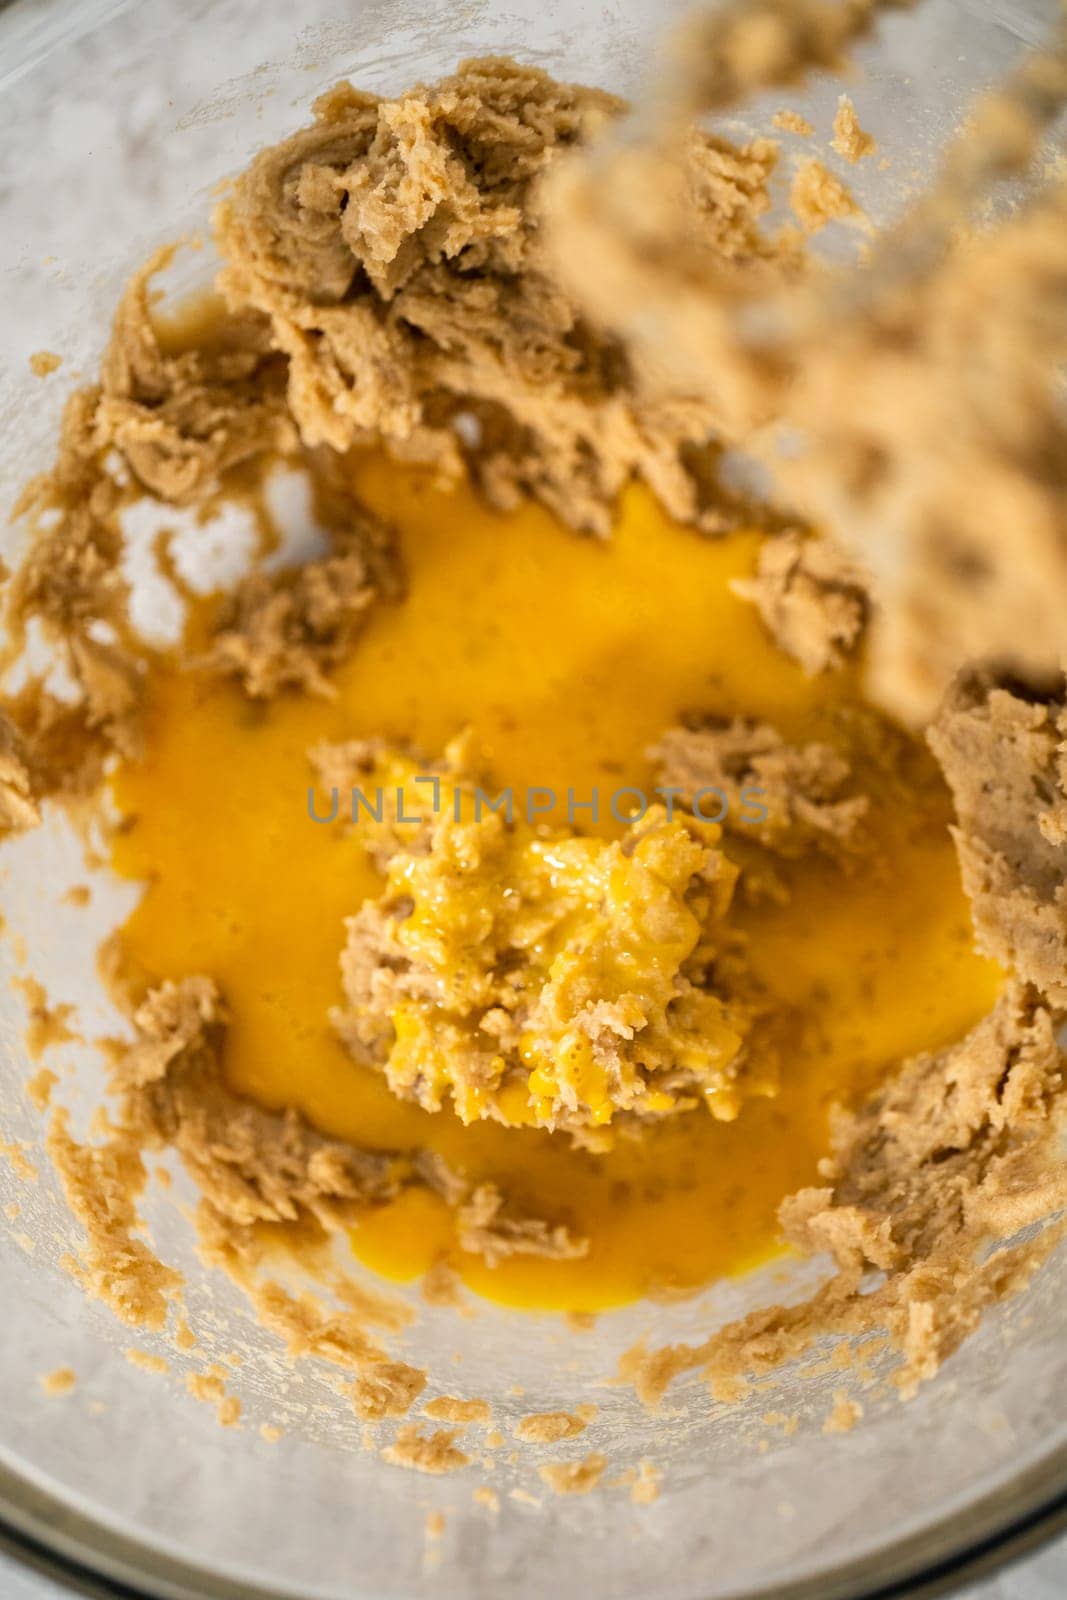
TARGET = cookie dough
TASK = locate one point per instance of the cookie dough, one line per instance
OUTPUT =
(797, 795)
(1004, 753)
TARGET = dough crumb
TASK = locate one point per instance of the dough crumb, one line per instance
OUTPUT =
(184, 1337)
(40, 1086)
(44, 362)
(435, 1524)
(792, 122)
(146, 1361)
(818, 197)
(448, 1408)
(812, 599)
(228, 1411)
(61, 1381)
(210, 1387)
(549, 1427)
(433, 1452)
(845, 1414)
(48, 1024)
(442, 1286)
(487, 1497)
(849, 139)
(574, 1477)
(386, 1389)
(269, 1433)
(645, 1487)
(18, 1161)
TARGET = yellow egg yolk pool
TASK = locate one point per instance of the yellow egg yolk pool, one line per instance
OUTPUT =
(567, 658)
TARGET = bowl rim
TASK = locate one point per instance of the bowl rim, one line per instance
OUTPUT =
(39, 1532)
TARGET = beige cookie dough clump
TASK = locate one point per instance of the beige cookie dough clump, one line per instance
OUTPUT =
(792, 799)
(397, 250)
(1004, 753)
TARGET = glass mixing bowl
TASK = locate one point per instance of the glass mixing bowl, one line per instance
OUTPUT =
(117, 117)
